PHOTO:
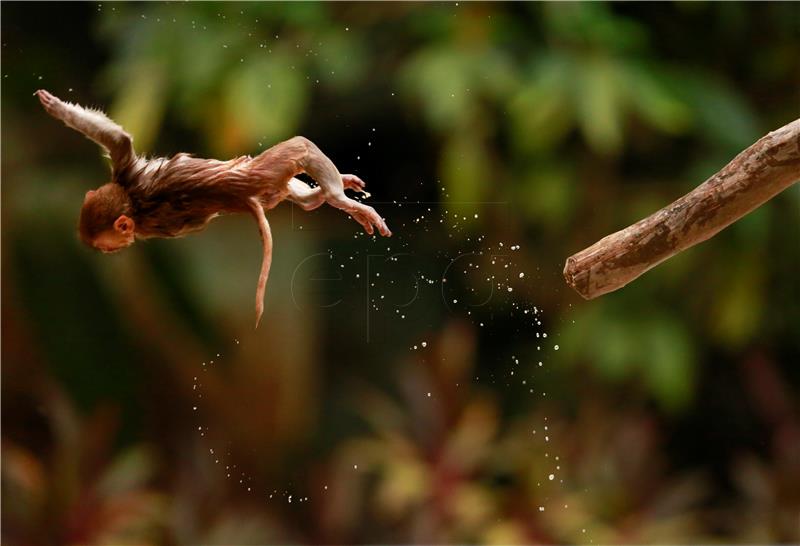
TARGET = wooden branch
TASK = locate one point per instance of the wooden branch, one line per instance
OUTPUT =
(753, 177)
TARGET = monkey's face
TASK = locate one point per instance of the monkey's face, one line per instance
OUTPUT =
(118, 237)
(113, 240)
(101, 225)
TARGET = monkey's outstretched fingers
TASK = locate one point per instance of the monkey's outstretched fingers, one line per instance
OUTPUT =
(49, 101)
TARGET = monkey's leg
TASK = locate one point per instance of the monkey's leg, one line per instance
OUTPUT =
(297, 155)
(309, 198)
(303, 195)
(266, 260)
(322, 169)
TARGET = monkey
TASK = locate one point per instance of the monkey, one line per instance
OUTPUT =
(175, 196)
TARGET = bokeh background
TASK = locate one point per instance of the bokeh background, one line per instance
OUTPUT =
(140, 406)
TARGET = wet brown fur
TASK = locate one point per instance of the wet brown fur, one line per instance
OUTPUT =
(184, 193)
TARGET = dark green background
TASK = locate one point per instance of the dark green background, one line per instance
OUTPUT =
(671, 404)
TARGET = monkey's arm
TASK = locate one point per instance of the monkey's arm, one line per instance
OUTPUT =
(266, 261)
(94, 124)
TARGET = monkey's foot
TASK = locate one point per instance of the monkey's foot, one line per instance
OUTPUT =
(352, 182)
(369, 219)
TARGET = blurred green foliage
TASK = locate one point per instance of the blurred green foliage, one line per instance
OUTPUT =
(671, 405)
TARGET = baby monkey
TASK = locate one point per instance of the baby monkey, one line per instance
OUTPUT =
(170, 197)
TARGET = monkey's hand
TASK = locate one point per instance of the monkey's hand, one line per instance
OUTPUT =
(52, 104)
(92, 123)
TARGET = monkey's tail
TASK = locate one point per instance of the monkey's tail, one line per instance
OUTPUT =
(266, 260)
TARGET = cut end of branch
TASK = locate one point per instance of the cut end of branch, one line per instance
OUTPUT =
(571, 275)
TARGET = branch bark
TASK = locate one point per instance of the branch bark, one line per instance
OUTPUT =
(753, 177)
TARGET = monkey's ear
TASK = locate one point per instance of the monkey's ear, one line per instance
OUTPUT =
(124, 224)
(89, 194)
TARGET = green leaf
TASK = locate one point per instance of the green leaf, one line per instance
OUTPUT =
(668, 362)
(342, 60)
(593, 24)
(139, 106)
(265, 99)
(129, 471)
(721, 113)
(655, 101)
(739, 302)
(465, 171)
(495, 73)
(547, 194)
(541, 113)
(615, 349)
(598, 93)
(440, 79)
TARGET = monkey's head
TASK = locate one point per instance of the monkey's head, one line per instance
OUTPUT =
(105, 222)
